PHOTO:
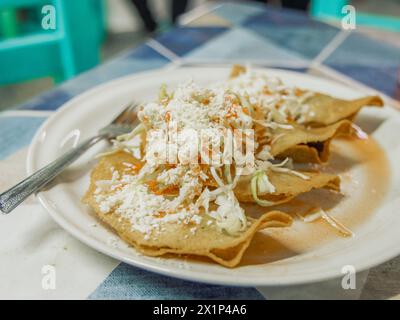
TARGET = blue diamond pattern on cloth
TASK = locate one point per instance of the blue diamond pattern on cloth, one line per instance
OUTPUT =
(184, 39)
(374, 64)
(242, 44)
(382, 78)
(363, 50)
(143, 58)
(140, 59)
(50, 100)
(127, 282)
(17, 132)
(273, 15)
(144, 52)
(292, 31)
(294, 69)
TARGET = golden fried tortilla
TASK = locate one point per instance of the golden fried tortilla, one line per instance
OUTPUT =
(287, 185)
(207, 240)
(325, 110)
(307, 144)
(237, 70)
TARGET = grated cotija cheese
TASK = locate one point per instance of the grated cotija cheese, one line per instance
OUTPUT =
(278, 102)
(195, 108)
(134, 202)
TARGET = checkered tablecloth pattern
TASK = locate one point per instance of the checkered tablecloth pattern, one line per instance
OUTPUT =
(214, 34)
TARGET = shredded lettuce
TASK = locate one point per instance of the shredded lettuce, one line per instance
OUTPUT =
(128, 136)
(333, 222)
(163, 96)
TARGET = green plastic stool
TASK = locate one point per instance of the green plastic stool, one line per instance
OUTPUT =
(72, 47)
(332, 9)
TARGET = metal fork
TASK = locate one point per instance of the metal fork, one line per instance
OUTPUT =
(123, 123)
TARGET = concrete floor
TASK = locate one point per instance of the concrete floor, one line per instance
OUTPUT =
(125, 32)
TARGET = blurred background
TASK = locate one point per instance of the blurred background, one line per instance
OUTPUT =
(35, 57)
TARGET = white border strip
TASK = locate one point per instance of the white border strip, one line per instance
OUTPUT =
(26, 113)
(256, 62)
(163, 50)
(198, 12)
(330, 47)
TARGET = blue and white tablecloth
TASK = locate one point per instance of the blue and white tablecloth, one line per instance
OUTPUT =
(227, 33)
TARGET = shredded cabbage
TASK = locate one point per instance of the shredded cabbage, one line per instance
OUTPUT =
(273, 125)
(216, 177)
(336, 224)
(333, 222)
(253, 185)
(244, 101)
(227, 173)
(163, 93)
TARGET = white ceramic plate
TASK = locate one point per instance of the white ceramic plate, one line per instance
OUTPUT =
(377, 238)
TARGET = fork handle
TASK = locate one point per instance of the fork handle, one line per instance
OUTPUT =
(11, 198)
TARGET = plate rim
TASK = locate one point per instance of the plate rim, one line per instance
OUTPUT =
(185, 274)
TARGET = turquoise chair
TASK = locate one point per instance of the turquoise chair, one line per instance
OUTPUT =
(27, 51)
(333, 9)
